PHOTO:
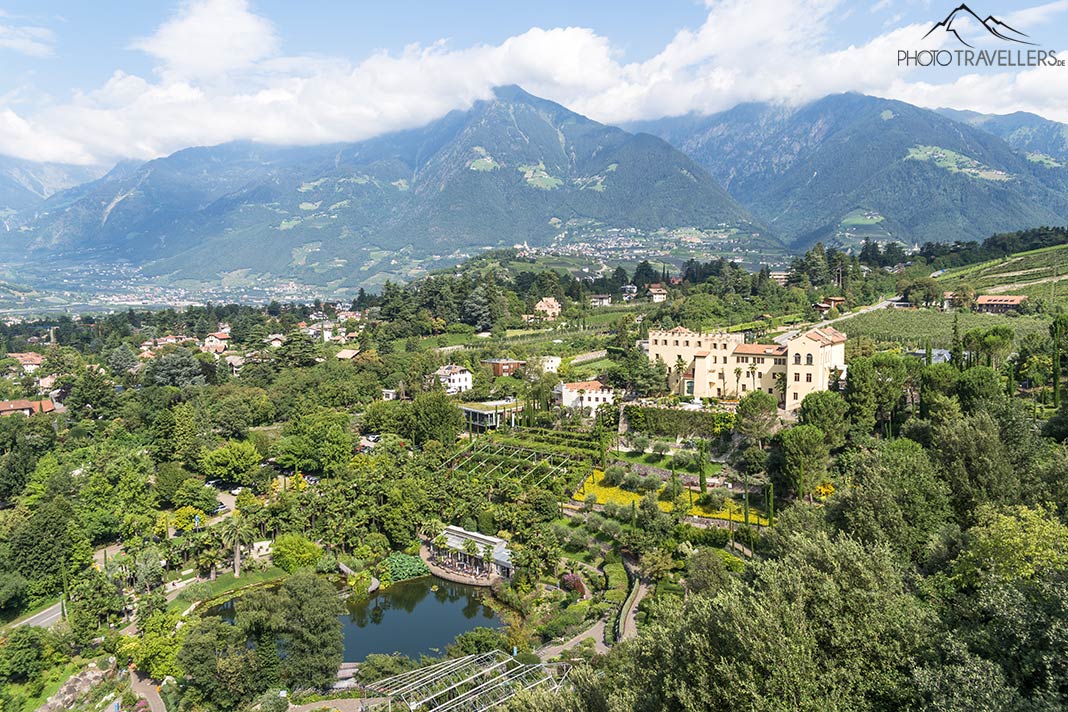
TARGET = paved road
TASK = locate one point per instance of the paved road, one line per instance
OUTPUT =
(45, 619)
(596, 631)
(146, 688)
(787, 335)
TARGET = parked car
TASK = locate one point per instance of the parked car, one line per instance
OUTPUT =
(237, 490)
(220, 509)
(373, 438)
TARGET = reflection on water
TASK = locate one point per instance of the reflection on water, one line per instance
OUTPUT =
(414, 617)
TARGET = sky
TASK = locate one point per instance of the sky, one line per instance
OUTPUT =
(93, 83)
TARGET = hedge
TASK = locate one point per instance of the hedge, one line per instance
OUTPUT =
(678, 423)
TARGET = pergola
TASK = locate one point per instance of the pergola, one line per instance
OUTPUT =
(473, 683)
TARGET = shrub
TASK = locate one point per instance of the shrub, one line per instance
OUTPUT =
(613, 476)
(293, 551)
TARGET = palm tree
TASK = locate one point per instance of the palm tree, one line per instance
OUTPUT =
(236, 532)
(780, 386)
(752, 374)
(471, 549)
(737, 380)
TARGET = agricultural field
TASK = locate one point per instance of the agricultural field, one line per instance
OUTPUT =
(956, 163)
(1037, 274)
(911, 327)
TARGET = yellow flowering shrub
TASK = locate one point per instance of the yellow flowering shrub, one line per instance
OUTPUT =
(617, 495)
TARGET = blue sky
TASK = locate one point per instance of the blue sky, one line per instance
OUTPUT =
(94, 82)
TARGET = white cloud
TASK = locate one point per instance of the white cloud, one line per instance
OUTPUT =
(209, 38)
(26, 39)
(221, 76)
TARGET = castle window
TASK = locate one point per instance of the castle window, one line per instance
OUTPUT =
(808, 359)
(808, 378)
(797, 377)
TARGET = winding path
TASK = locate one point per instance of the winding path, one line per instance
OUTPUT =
(596, 631)
(347, 704)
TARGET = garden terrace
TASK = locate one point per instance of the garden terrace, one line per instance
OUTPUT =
(487, 458)
(474, 683)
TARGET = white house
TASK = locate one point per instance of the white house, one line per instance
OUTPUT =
(548, 364)
(584, 394)
(601, 300)
(455, 379)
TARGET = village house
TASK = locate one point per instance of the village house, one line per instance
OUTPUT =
(455, 379)
(583, 394)
(629, 291)
(503, 366)
(28, 361)
(216, 343)
(547, 364)
(347, 354)
(26, 407)
(601, 300)
(657, 293)
(722, 365)
(999, 303)
(548, 308)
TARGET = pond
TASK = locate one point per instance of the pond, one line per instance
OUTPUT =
(415, 617)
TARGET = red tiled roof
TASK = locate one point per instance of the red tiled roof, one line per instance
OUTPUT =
(28, 359)
(1006, 299)
(760, 349)
(585, 386)
(827, 336)
(16, 406)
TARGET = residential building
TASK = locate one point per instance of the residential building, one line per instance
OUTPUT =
(28, 361)
(547, 364)
(216, 343)
(779, 277)
(455, 379)
(601, 300)
(657, 293)
(721, 365)
(347, 354)
(583, 394)
(548, 308)
(25, 407)
(275, 340)
(999, 303)
(390, 394)
(503, 366)
(629, 291)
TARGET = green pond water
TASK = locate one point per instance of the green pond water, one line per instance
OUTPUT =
(415, 617)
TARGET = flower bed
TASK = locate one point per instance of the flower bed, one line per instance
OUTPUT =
(626, 498)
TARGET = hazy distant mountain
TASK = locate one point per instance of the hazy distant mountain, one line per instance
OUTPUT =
(1026, 132)
(24, 184)
(512, 169)
(850, 166)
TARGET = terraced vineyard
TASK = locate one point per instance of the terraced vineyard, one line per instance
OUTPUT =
(912, 327)
(1038, 274)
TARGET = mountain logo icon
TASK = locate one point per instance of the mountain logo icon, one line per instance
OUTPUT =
(992, 25)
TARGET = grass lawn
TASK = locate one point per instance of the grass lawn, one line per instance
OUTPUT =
(620, 496)
(223, 584)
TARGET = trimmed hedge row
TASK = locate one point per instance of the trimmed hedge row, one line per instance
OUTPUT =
(678, 423)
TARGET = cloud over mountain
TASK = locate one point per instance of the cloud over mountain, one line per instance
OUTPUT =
(221, 73)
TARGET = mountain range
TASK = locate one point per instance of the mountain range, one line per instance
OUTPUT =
(520, 169)
(509, 170)
(850, 166)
